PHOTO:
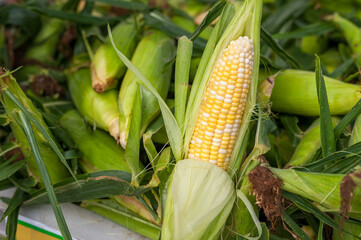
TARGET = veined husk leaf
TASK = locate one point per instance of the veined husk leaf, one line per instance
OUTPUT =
(322, 188)
(356, 132)
(101, 110)
(200, 198)
(246, 22)
(153, 56)
(288, 98)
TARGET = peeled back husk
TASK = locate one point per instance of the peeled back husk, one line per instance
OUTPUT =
(152, 56)
(106, 68)
(101, 110)
(295, 92)
(200, 198)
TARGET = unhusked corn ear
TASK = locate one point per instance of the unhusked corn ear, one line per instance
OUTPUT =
(223, 104)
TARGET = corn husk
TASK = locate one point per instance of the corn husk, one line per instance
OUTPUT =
(99, 150)
(101, 110)
(200, 198)
(106, 68)
(356, 132)
(295, 92)
(352, 34)
(348, 227)
(322, 188)
(57, 171)
(152, 55)
(308, 146)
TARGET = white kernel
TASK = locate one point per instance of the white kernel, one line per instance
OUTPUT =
(209, 134)
(223, 83)
(199, 141)
(230, 57)
(218, 131)
(226, 160)
(245, 85)
(213, 161)
(204, 123)
(241, 59)
(229, 125)
(234, 133)
(231, 87)
(241, 70)
(193, 141)
(229, 96)
(227, 130)
(245, 100)
(237, 120)
(236, 125)
(216, 83)
(213, 92)
(216, 144)
(241, 55)
(227, 100)
(206, 115)
(191, 155)
(240, 75)
(246, 60)
(222, 151)
(217, 140)
(221, 98)
(223, 63)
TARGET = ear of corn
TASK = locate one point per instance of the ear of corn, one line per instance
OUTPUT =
(152, 55)
(55, 168)
(95, 145)
(106, 68)
(200, 194)
(322, 188)
(309, 144)
(352, 34)
(98, 109)
(288, 98)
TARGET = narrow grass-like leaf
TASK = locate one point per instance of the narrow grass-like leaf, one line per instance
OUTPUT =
(99, 184)
(267, 38)
(131, 5)
(320, 231)
(213, 13)
(289, 122)
(182, 66)
(352, 76)
(12, 221)
(317, 28)
(8, 168)
(15, 203)
(347, 119)
(131, 154)
(40, 128)
(328, 142)
(75, 17)
(8, 147)
(172, 128)
(159, 21)
(4, 120)
(307, 206)
(45, 176)
(342, 68)
(300, 233)
(318, 165)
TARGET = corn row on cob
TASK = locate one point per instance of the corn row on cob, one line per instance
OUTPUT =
(223, 104)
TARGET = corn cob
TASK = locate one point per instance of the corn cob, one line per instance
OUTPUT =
(286, 95)
(161, 49)
(223, 104)
(106, 69)
(55, 168)
(99, 109)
